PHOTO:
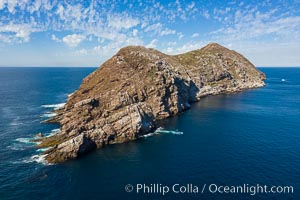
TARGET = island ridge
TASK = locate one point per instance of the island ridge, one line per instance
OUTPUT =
(123, 98)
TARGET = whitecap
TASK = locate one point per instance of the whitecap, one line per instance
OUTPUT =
(20, 144)
(21, 161)
(174, 132)
(56, 130)
(149, 134)
(27, 140)
(53, 132)
(49, 114)
(54, 106)
(40, 158)
(15, 123)
(161, 130)
(69, 95)
(43, 149)
(16, 147)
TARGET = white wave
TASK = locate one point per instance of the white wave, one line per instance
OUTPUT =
(53, 132)
(14, 123)
(21, 161)
(177, 132)
(56, 130)
(161, 130)
(43, 149)
(54, 106)
(149, 134)
(40, 159)
(69, 95)
(16, 147)
(31, 159)
(49, 114)
(23, 143)
(27, 140)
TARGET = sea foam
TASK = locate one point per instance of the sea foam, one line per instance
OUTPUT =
(20, 144)
(16, 147)
(54, 106)
(39, 158)
(25, 140)
(174, 132)
(49, 114)
(161, 130)
(53, 132)
(43, 149)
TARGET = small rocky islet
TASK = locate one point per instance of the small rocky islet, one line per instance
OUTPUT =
(123, 98)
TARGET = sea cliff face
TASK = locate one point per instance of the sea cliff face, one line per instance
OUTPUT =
(123, 98)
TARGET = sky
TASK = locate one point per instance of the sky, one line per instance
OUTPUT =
(88, 32)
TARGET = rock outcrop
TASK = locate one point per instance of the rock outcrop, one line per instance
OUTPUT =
(121, 100)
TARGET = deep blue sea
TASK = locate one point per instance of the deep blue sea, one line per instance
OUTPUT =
(252, 137)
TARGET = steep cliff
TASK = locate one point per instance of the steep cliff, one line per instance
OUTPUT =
(121, 100)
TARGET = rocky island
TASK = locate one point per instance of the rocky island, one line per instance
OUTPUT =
(124, 97)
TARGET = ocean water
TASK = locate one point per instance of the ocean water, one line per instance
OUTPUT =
(252, 137)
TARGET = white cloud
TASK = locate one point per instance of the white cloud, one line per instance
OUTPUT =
(2, 3)
(251, 24)
(81, 52)
(152, 44)
(101, 40)
(180, 35)
(154, 28)
(16, 32)
(190, 46)
(36, 6)
(54, 38)
(135, 32)
(96, 18)
(60, 10)
(106, 50)
(222, 11)
(195, 35)
(191, 6)
(11, 4)
(120, 21)
(97, 49)
(132, 41)
(73, 40)
(205, 14)
(167, 32)
(169, 50)
(158, 29)
(172, 43)
(24, 34)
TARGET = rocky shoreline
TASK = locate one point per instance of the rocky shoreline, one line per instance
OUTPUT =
(124, 97)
